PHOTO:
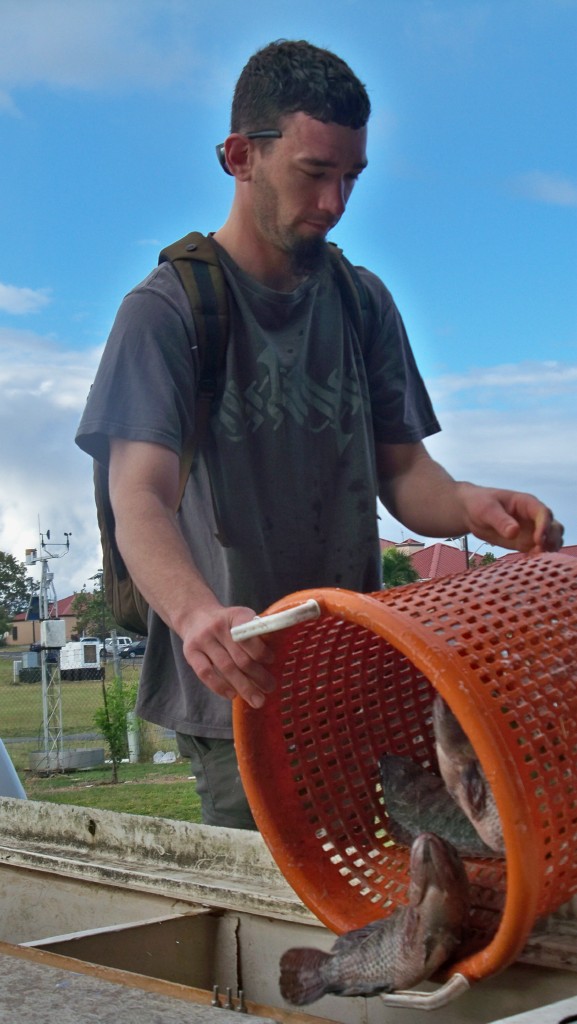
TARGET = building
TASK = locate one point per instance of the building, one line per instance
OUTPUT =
(442, 559)
(24, 632)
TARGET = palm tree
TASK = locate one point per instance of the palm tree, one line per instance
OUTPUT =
(397, 569)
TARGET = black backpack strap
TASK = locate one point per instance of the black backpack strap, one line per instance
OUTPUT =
(196, 261)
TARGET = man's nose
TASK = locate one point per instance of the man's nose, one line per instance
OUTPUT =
(334, 198)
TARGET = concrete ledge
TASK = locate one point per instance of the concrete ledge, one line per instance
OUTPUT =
(222, 867)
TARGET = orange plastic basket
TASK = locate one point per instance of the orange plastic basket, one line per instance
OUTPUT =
(500, 645)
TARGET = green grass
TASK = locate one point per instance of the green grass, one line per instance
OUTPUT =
(21, 709)
(21, 705)
(162, 790)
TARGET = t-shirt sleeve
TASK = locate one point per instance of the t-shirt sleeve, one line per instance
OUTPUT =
(144, 389)
(401, 407)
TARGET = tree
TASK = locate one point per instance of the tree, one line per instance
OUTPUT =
(487, 559)
(15, 586)
(4, 626)
(397, 569)
(93, 616)
(15, 590)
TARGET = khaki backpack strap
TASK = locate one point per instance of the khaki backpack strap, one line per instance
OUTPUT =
(352, 289)
(196, 261)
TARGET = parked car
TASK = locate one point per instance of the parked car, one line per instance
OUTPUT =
(135, 650)
(122, 641)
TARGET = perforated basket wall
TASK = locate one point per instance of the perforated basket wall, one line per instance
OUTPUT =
(499, 644)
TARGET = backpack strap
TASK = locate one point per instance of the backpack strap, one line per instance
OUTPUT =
(353, 290)
(196, 261)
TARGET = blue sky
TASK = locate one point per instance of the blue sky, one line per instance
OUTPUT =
(109, 113)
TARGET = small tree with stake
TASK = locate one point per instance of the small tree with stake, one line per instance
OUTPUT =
(110, 719)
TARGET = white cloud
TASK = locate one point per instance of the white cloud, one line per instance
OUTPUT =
(540, 187)
(449, 31)
(22, 300)
(7, 104)
(98, 44)
(45, 476)
(525, 381)
(515, 449)
(512, 426)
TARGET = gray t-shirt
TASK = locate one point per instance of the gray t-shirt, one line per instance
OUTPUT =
(289, 450)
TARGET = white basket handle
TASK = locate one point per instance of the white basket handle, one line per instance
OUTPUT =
(278, 620)
(434, 1000)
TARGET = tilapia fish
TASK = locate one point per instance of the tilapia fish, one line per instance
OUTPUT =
(464, 778)
(396, 952)
(417, 801)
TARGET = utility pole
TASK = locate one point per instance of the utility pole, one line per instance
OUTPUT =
(463, 540)
(52, 635)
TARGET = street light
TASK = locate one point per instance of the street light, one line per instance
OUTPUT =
(469, 558)
(100, 577)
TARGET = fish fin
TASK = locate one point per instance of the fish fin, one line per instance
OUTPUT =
(398, 832)
(475, 786)
(438, 950)
(301, 979)
(354, 939)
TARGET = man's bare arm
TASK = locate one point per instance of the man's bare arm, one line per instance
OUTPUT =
(425, 498)
(144, 484)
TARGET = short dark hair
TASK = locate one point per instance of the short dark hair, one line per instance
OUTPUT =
(286, 77)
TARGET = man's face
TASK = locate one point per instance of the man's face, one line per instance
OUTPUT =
(301, 184)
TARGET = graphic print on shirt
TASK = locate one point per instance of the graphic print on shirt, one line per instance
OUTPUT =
(278, 395)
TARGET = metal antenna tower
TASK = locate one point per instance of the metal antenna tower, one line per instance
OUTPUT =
(49, 656)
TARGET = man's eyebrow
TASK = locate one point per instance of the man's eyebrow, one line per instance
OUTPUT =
(318, 162)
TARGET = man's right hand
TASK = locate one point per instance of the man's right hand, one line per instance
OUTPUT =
(227, 667)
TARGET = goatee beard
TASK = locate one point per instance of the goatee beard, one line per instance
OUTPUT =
(308, 255)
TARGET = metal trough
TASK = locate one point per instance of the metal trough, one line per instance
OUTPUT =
(173, 919)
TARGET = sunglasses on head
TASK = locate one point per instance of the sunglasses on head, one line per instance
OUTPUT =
(265, 133)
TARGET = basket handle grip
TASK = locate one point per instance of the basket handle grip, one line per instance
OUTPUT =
(277, 620)
(434, 1000)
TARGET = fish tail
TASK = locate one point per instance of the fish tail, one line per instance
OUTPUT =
(301, 979)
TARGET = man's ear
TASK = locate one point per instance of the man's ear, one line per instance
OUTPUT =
(238, 153)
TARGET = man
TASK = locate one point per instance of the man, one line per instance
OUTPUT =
(310, 424)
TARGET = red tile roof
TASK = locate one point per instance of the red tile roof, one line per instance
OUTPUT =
(386, 544)
(63, 608)
(443, 559)
(403, 544)
(439, 560)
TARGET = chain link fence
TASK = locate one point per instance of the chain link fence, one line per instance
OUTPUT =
(28, 735)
